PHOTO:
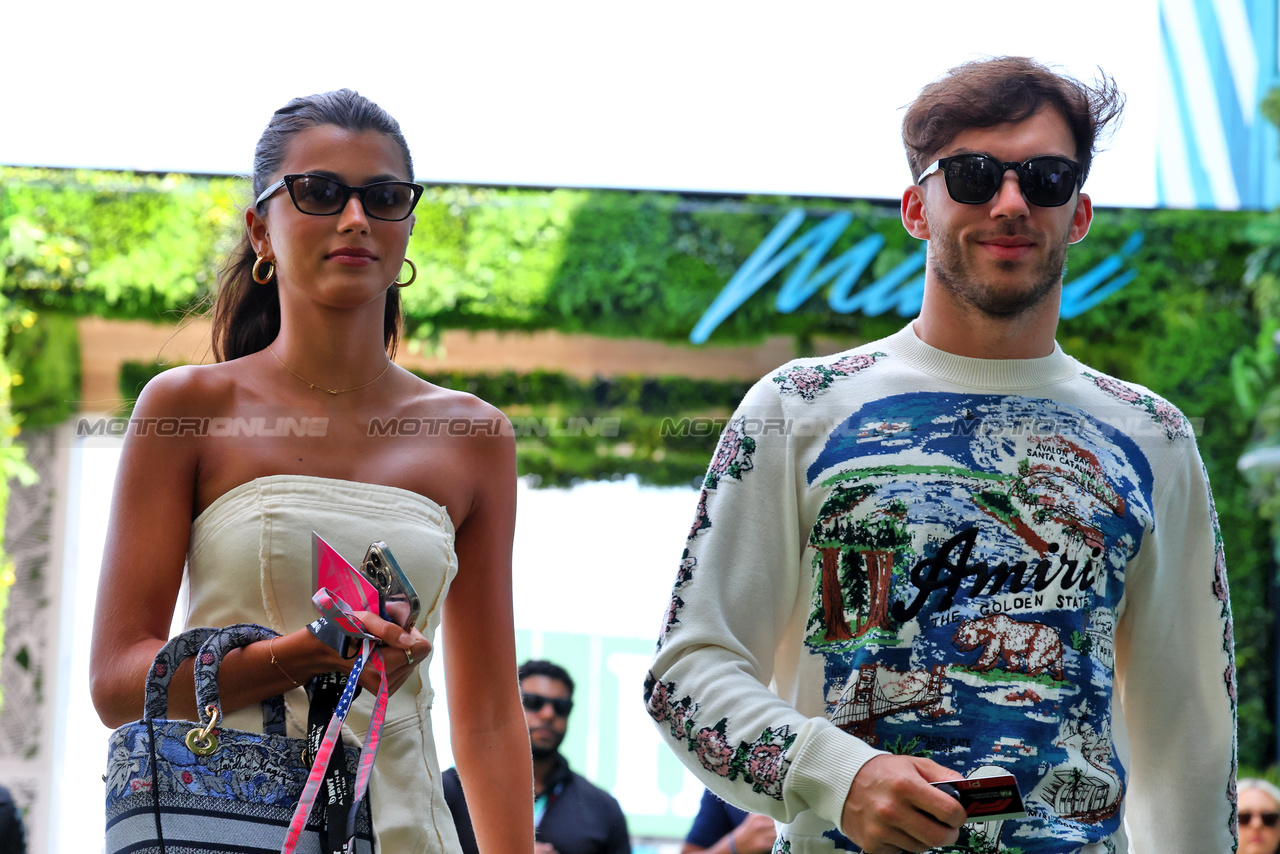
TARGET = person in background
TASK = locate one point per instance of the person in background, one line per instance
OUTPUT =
(722, 828)
(571, 814)
(13, 837)
(1259, 812)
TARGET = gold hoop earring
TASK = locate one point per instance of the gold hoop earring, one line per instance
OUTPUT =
(412, 278)
(257, 266)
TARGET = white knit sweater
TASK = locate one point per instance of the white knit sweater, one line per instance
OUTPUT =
(1009, 564)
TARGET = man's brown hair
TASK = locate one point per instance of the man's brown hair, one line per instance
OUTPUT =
(1000, 91)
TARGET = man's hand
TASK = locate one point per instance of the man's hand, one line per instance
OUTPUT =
(891, 807)
(544, 848)
(755, 835)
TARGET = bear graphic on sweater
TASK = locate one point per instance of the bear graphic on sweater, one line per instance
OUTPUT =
(1030, 648)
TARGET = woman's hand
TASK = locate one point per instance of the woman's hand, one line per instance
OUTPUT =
(402, 652)
(300, 655)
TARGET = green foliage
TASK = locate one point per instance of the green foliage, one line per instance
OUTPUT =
(617, 263)
(43, 353)
(659, 396)
(487, 258)
(661, 430)
(135, 375)
(13, 465)
(614, 268)
(1253, 369)
(1177, 329)
(112, 244)
(1193, 325)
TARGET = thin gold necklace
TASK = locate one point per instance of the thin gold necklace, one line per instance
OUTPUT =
(330, 390)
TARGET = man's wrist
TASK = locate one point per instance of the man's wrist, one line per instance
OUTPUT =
(733, 845)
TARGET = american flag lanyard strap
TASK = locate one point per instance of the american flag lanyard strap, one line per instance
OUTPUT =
(369, 654)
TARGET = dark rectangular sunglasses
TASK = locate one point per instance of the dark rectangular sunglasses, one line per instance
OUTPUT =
(1268, 819)
(1047, 181)
(318, 195)
(534, 702)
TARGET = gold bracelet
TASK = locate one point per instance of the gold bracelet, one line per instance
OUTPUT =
(271, 647)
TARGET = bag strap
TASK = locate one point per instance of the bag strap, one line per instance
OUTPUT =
(209, 662)
(175, 651)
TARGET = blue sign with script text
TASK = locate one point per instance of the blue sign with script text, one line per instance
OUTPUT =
(900, 290)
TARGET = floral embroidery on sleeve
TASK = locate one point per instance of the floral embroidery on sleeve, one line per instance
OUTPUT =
(733, 457)
(683, 576)
(701, 521)
(1228, 632)
(1220, 593)
(809, 381)
(1165, 414)
(762, 763)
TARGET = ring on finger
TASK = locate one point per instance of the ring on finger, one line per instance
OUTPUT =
(409, 655)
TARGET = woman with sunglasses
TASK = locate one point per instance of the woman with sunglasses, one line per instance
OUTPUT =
(305, 324)
(1259, 813)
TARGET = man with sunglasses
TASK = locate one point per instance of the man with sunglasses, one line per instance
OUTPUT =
(571, 814)
(957, 552)
(1259, 813)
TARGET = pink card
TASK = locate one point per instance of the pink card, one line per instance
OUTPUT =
(332, 572)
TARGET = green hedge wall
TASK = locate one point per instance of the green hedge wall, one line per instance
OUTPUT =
(648, 265)
(13, 465)
(607, 262)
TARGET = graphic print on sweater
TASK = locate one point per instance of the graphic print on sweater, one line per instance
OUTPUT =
(968, 563)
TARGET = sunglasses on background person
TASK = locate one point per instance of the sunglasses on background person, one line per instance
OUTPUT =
(534, 703)
(1268, 819)
(1047, 181)
(317, 195)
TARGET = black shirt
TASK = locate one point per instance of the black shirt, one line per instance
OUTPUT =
(580, 818)
(12, 836)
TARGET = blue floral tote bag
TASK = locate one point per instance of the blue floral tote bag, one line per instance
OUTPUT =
(179, 787)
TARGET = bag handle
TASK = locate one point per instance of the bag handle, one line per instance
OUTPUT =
(209, 662)
(175, 651)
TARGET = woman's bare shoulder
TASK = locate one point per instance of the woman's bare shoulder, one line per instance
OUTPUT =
(191, 390)
(438, 400)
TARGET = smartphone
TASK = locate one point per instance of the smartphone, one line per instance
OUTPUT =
(397, 600)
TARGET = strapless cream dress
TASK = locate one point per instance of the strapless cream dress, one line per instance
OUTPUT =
(249, 561)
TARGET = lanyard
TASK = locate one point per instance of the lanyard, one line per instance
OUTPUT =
(336, 796)
(334, 608)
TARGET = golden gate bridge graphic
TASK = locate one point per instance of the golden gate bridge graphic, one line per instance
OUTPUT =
(877, 692)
